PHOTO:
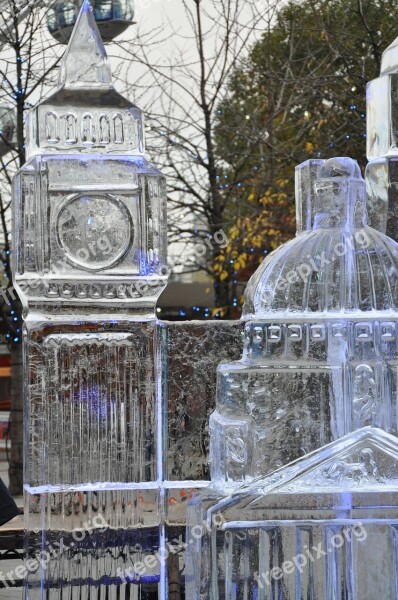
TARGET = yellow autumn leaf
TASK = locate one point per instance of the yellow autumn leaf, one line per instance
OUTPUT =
(224, 275)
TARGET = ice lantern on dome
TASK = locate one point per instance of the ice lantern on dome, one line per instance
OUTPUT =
(320, 356)
(89, 264)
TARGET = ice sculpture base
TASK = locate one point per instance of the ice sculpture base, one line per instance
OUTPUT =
(98, 541)
(323, 527)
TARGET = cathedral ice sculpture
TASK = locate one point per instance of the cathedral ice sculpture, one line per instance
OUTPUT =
(320, 356)
(303, 439)
(89, 264)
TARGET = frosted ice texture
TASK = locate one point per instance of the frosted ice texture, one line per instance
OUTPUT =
(382, 138)
(97, 421)
(320, 353)
(190, 352)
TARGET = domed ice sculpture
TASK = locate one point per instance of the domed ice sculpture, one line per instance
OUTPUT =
(317, 386)
(320, 355)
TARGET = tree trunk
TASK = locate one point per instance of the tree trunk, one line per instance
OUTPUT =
(16, 431)
(17, 388)
(222, 295)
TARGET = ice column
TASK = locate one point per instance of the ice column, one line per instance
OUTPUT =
(89, 264)
(382, 141)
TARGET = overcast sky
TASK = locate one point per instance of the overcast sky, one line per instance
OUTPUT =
(150, 12)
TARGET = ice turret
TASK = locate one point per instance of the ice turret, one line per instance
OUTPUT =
(85, 114)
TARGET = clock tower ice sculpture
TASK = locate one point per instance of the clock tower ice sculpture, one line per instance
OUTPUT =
(89, 265)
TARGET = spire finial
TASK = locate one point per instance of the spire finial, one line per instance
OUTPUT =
(389, 60)
(85, 62)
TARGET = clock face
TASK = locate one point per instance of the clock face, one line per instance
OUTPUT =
(95, 230)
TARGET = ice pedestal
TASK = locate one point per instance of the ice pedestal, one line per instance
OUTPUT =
(99, 537)
(93, 500)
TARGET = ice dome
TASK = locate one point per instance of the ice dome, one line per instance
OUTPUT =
(340, 265)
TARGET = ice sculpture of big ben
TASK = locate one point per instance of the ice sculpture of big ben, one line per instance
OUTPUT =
(89, 265)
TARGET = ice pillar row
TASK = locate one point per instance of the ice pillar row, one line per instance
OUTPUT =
(89, 264)
(382, 145)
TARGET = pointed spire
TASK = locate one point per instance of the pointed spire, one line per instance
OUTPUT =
(389, 60)
(85, 62)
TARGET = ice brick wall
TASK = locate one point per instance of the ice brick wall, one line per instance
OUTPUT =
(190, 353)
